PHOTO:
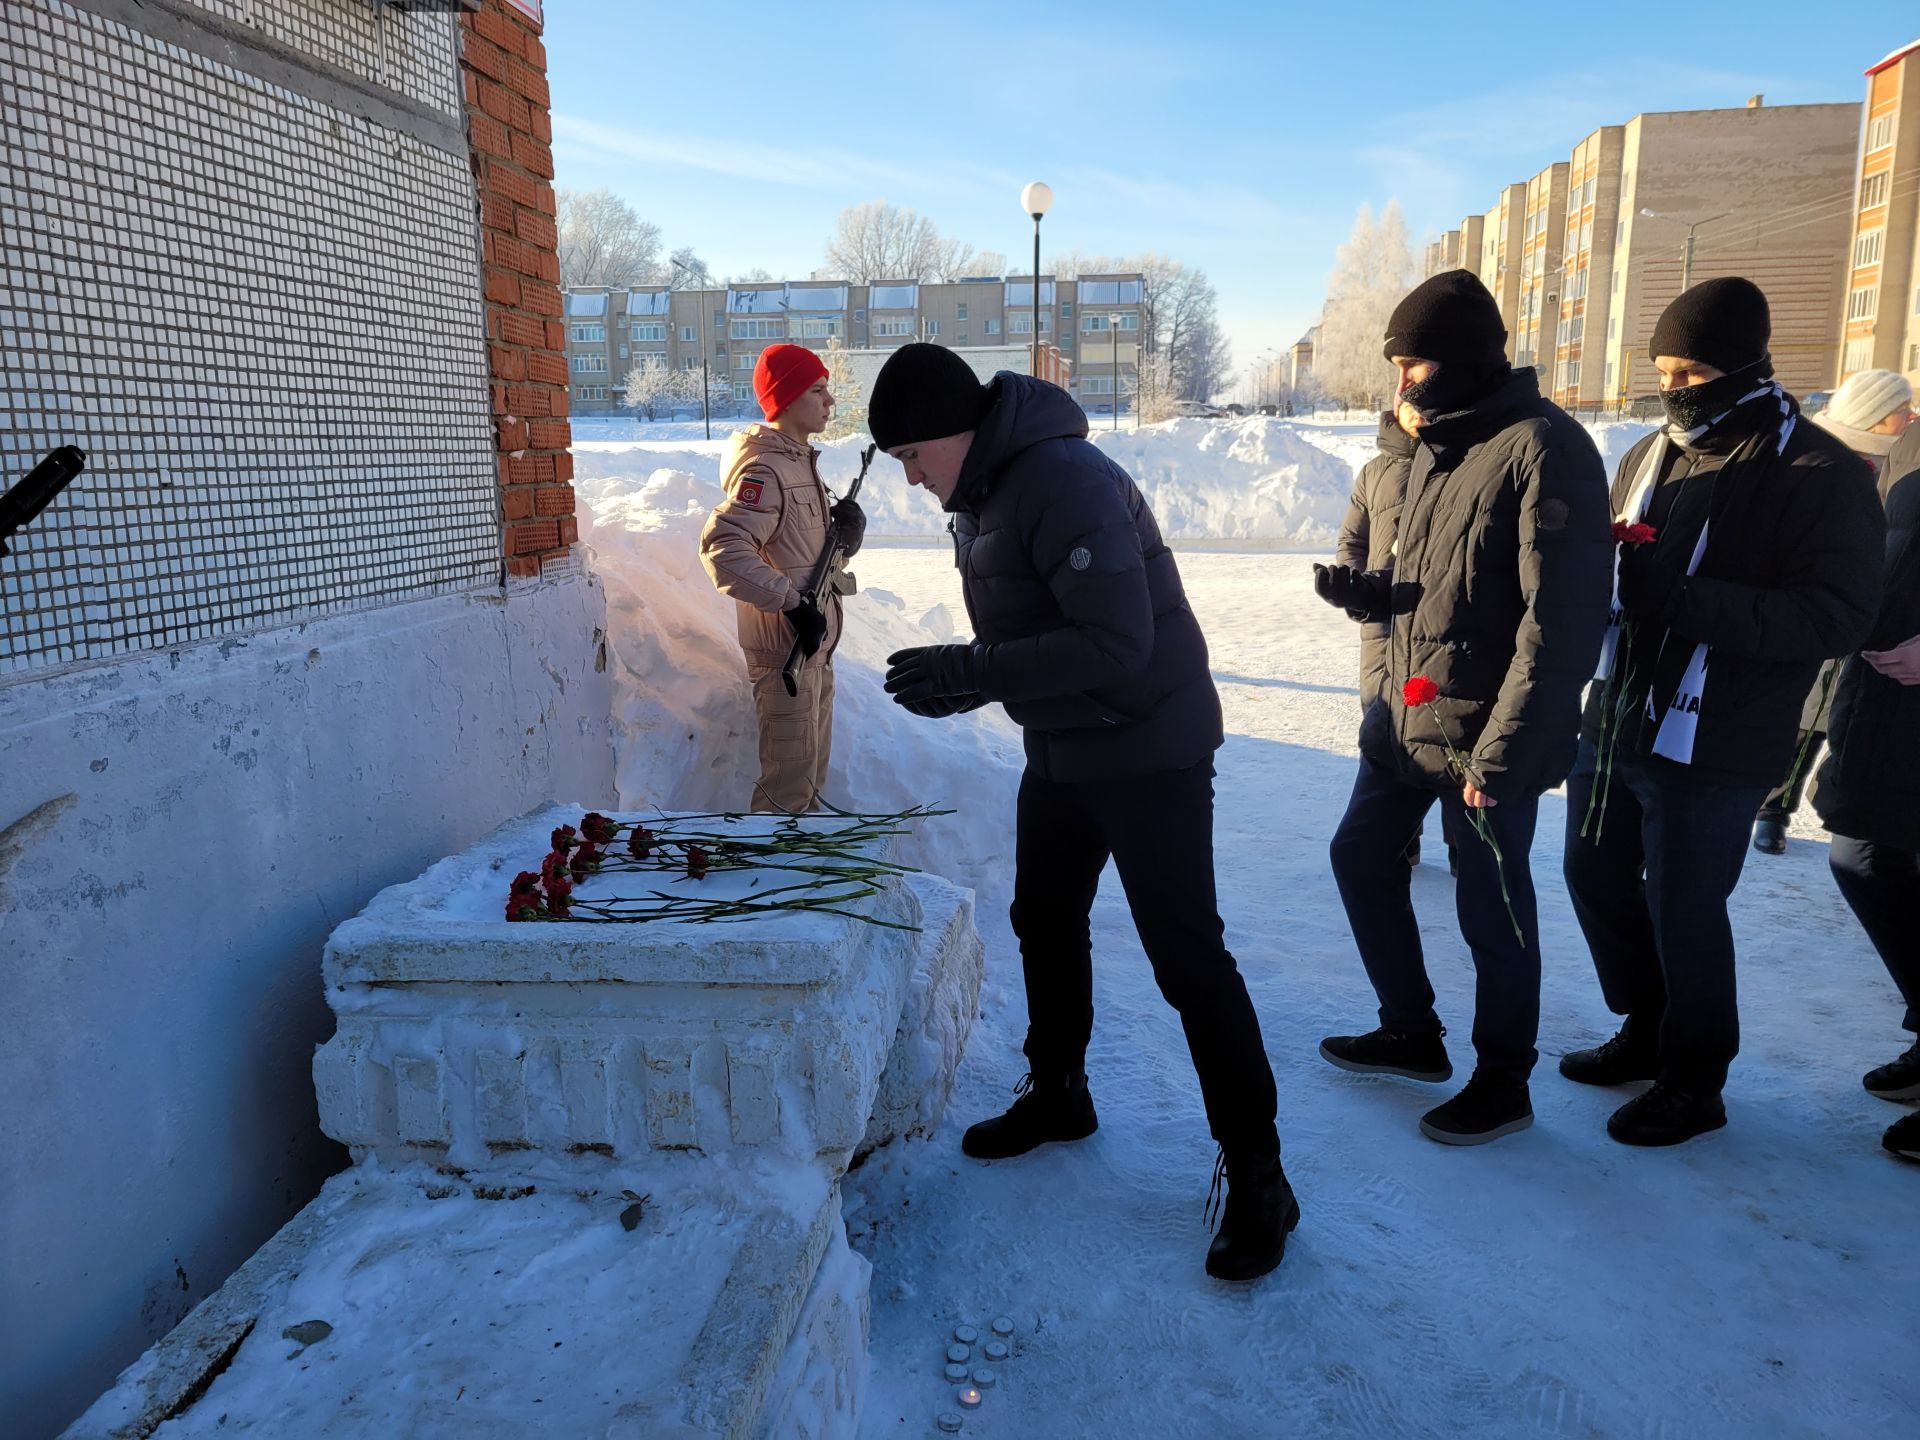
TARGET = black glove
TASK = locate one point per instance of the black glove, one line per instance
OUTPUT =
(931, 672)
(941, 706)
(809, 626)
(852, 521)
(1649, 586)
(1357, 592)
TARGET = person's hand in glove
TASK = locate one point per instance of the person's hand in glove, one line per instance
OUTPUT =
(1649, 586)
(852, 521)
(1354, 591)
(931, 672)
(941, 706)
(809, 626)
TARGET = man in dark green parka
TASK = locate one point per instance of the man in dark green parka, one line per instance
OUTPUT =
(1497, 594)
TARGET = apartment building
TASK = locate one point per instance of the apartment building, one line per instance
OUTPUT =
(1300, 359)
(1542, 238)
(1441, 255)
(1587, 317)
(1880, 326)
(1094, 321)
(1499, 265)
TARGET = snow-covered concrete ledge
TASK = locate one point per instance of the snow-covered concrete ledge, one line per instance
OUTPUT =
(509, 1091)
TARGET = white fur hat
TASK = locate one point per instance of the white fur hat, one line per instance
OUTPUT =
(1865, 399)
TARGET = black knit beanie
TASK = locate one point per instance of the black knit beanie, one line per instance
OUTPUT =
(1723, 323)
(923, 392)
(1451, 319)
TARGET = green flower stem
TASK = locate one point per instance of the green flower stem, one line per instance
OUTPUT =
(1481, 825)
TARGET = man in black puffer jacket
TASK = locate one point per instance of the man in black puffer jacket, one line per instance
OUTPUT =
(1083, 632)
(1367, 533)
(1764, 559)
(1497, 595)
(1869, 792)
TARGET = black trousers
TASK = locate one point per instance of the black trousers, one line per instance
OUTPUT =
(1376, 887)
(1882, 885)
(1158, 829)
(1650, 890)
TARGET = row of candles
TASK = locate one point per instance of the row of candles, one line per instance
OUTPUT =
(974, 1380)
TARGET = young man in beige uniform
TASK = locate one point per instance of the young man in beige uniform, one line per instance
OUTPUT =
(760, 546)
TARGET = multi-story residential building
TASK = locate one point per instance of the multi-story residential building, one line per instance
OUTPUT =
(1880, 326)
(1587, 318)
(1749, 191)
(1542, 237)
(1094, 322)
(1300, 359)
(1442, 254)
(1499, 265)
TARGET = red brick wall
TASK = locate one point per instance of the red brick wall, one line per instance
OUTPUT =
(503, 71)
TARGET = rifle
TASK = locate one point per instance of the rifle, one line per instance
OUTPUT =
(818, 580)
(37, 488)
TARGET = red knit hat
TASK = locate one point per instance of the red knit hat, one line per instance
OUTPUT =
(783, 375)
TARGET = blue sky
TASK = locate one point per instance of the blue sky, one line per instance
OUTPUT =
(1240, 138)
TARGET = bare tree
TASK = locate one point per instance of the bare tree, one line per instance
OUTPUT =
(879, 241)
(687, 271)
(1374, 270)
(603, 242)
(754, 276)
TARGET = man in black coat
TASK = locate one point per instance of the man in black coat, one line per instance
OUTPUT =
(1083, 632)
(1764, 560)
(1496, 594)
(1869, 791)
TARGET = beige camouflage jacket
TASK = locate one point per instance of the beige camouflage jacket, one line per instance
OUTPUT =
(763, 539)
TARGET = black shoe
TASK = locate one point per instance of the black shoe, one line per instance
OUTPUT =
(1048, 1108)
(1770, 833)
(1485, 1110)
(1260, 1213)
(1902, 1138)
(1390, 1052)
(1619, 1061)
(1897, 1079)
(1666, 1115)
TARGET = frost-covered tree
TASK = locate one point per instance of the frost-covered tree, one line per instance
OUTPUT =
(880, 241)
(1373, 272)
(603, 242)
(651, 387)
(687, 271)
(849, 396)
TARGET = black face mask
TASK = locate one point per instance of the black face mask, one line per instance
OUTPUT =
(1452, 387)
(1692, 406)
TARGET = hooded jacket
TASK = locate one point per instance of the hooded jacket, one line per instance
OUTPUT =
(1367, 535)
(1870, 785)
(762, 541)
(1499, 591)
(1082, 628)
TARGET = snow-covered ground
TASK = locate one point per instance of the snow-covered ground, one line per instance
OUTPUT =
(1759, 1281)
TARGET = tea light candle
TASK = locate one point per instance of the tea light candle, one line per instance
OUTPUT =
(966, 1334)
(967, 1398)
(984, 1379)
(948, 1422)
(957, 1373)
(959, 1354)
(998, 1351)
(1003, 1326)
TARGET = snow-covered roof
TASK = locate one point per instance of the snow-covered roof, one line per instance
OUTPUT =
(1109, 292)
(586, 302)
(756, 302)
(1020, 292)
(816, 297)
(894, 297)
(1895, 57)
(648, 302)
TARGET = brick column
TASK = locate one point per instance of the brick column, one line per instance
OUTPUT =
(503, 73)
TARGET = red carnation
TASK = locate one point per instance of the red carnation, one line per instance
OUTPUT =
(523, 898)
(598, 828)
(697, 861)
(640, 842)
(526, 880)
(554, 867)
(564, 839)
(1635, 534)
(559, 893)
(584, 861)
(1420, 691)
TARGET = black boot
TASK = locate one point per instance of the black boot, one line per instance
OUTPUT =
(1390, 1052)
(1485, 1110)
(1897, 1079)
(1903, 1138)
(1666, 1115)
(1619, 1061)
(1048, 1107)
(1770, 832)
(1259, 1214)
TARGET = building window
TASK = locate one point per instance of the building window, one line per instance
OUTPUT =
(589, 364)
(1021, 323)
(745, 361)
(687, 337)
(1857, 356)
(1607, 379)
(1066, 311)
(1916, 302)
(650, 330)
(993, 327)
(887, 329)
(1868, 249)
(933, 328)
(820, 327)
(1573, 372)
(963, 338)
(1863, 302)
(962, 309)
(592, 392)
(1096, 320)
(719, 319)
(757, 330)
(743, 394)
(1880, 132)
(1873, 190)
(597, 330)
(1613, 326)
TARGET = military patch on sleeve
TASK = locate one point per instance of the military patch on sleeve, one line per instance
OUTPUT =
(1081, 557)
(750, 492)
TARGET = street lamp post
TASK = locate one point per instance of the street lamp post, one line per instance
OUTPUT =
(1686, 252)
(706, 383)
(1036, 200)
(1114, 322)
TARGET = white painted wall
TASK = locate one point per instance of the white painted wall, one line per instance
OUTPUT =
(210, 813)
